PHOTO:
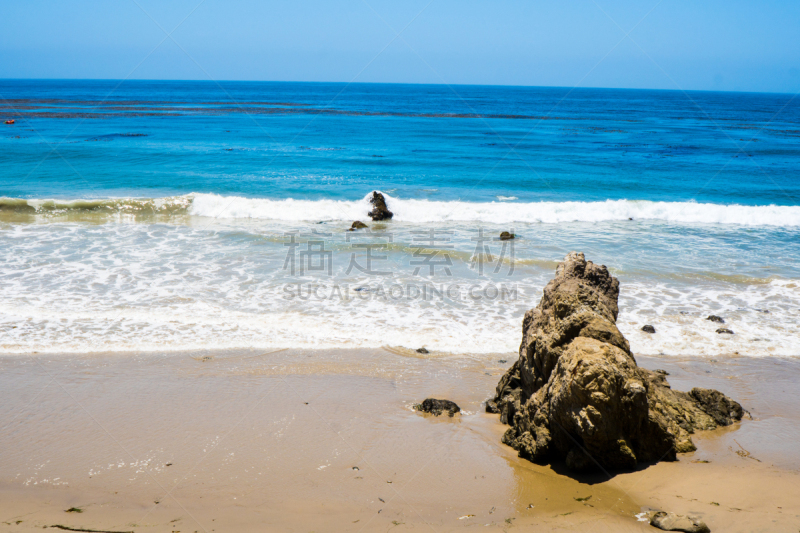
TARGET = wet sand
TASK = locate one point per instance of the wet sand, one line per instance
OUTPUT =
(327, 441)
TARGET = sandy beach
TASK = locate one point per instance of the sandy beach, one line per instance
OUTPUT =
(328, 441)
(322, 267)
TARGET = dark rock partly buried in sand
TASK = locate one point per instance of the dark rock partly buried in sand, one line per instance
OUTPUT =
(422, 350)
(726, 331)
(506, 236)
(576, 393)
(674, 522)
(357, 225)
(437, 407)
(379, 210)
(648, 329)
(715, 318)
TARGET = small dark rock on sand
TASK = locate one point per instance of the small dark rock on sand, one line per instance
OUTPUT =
(437, 407)
(506, 236)
(674, 522)
(715, 318)
(379, 211)
(648, 329)
(422, 350)
(357, 225)
(725, 330)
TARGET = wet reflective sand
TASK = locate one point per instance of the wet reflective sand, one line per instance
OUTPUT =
(327, 441)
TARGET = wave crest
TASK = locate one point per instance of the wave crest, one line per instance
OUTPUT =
(421, 211)
(167, 206)
(497, 212)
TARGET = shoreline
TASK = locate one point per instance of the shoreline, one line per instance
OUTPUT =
(246, 452)
(234, 353)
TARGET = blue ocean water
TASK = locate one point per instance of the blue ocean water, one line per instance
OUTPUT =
(317, 140)
(145, 215)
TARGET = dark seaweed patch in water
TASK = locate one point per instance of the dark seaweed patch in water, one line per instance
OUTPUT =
(85, 109)
(112, 136)
(786, 133)
(601, 129)
(678, 150)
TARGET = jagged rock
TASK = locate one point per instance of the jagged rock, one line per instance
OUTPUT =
(437, 407)
(576, 393)
(648, 329)
(715, 318)
(422, 350)
(506, 236)
(379, 211)
(674, 522)
(725, 331)
(722, 409)
(357, 225)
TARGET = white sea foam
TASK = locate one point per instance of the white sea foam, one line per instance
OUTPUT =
(763, 317)
(73, 287)
(212, 205)
(216, 206)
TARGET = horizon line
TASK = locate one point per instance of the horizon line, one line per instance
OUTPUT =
(405, 83)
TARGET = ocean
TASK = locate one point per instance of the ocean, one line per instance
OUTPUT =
(147, 216)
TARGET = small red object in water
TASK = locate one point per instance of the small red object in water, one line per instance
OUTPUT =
(10, 121)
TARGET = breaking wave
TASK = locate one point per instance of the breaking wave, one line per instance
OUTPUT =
(411, 210)
(169, 205)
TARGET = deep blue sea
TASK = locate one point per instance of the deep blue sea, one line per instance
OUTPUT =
(140, 216)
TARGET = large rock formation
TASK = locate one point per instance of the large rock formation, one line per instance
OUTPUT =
(576, 393)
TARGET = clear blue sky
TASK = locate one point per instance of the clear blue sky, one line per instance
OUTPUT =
(737, 45)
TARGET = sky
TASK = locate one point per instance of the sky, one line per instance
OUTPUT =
(730, 45)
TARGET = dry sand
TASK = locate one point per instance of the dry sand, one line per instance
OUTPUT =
(327, 441)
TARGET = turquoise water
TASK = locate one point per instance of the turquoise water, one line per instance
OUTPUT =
(156, 215)
(311, 140)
